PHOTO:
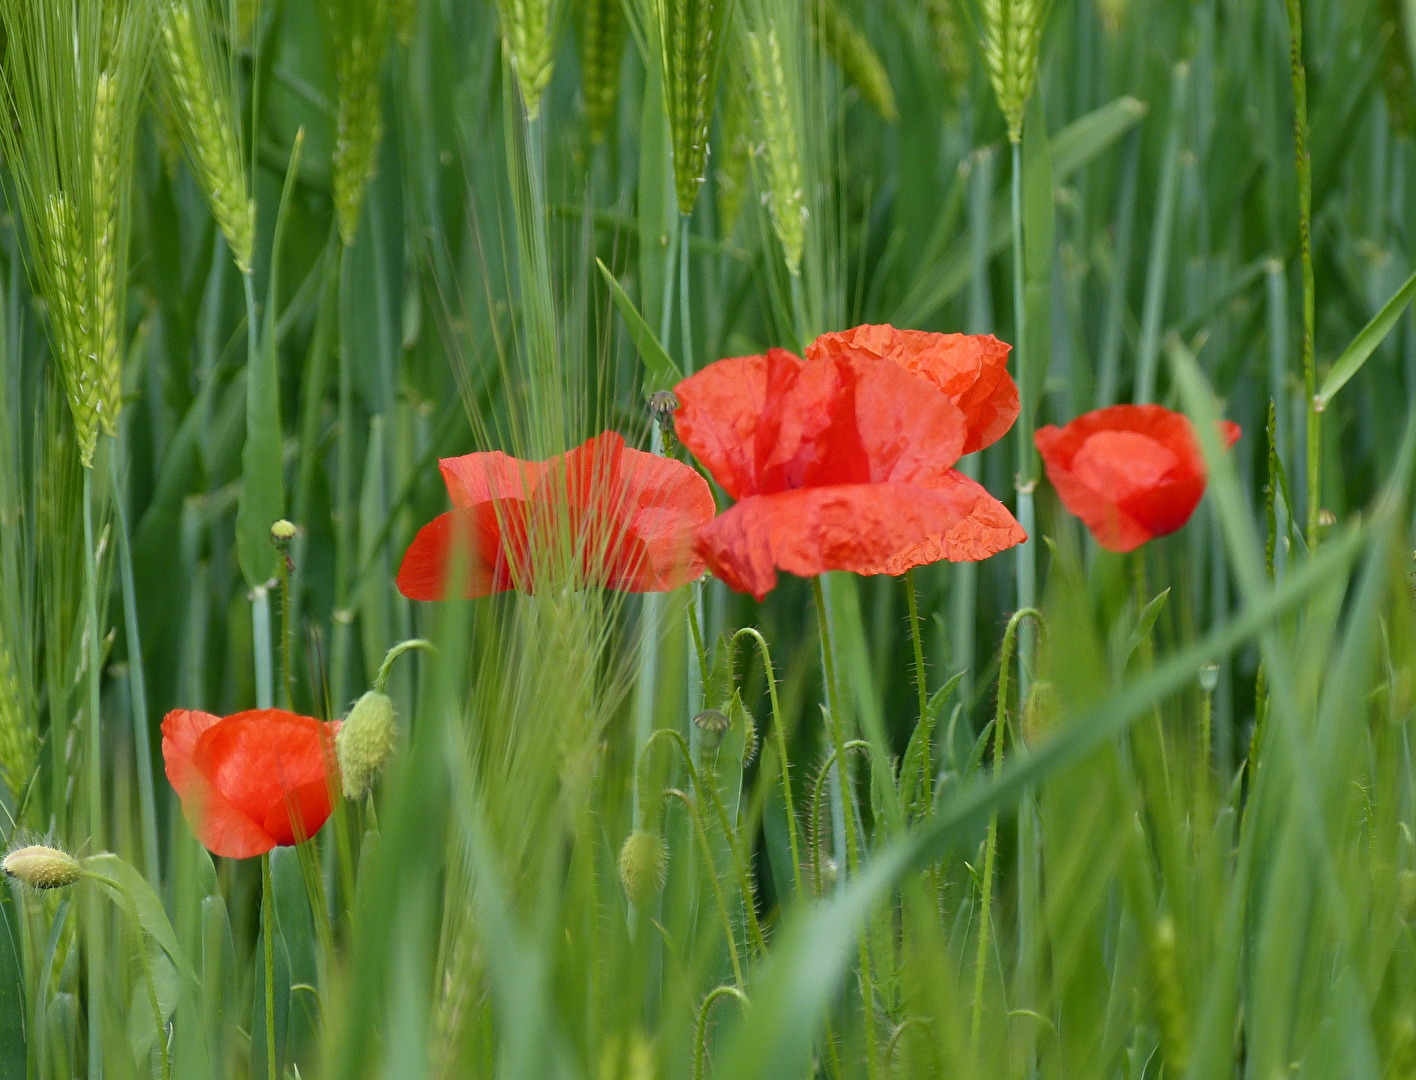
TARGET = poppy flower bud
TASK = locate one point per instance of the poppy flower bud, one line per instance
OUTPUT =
(365, 743)
(1406, 894)
(714, 725)
(643, 866)
(282, 532)
(1209, 678)
(1039, 712)
(42, 867)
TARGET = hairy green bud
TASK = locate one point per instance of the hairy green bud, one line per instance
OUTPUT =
(643, 866)
(365, 743)
(42, 867)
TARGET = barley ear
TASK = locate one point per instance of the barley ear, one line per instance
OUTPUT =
(104, 351)
(776, 118)
(526, 27)
(602, 34)
(950, 44)
(691, 36)
(359, 32)
(1012, 48)
(735, 141)
(845, 43)
(205, 108)
(18, 740)
(64, 269)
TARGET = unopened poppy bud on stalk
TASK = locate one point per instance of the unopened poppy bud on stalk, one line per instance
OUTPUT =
(42, 867)
(662, 406)
(643, 866)
(282, 532)
(714, 725)
(365, 743)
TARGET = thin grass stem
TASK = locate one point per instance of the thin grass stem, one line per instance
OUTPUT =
(137, 685)
(847, 807)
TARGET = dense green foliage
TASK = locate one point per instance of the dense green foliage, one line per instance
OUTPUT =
(1161, 826)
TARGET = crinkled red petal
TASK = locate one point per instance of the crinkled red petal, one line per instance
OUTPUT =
(880, 528)
(220, 826)
(972, 369)
(271, 768)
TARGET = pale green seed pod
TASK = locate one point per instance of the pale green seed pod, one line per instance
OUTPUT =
(365, 743)
(643, 866)
(42, 867)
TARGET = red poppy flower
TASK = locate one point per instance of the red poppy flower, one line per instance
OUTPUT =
(251, 781)
(625, 520)
(971, 368)
(1130, 472)
(839, 463)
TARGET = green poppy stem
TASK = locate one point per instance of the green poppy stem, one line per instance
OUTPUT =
(846, 803)
(268, 933)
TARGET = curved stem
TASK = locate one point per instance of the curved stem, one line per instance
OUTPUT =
(381, 679)
(1025, 480)
(158, 1026)
(838, 738)
(1305, 249)
(817, 794)
(1000, 720)
(702, 834)
(137, 687)
(93, 769)
(700, 1034)
(268, 919)
(749, 893)
(780, 738)
(921, 682)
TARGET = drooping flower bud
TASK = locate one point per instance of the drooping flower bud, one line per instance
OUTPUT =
(714, 725)
(643, 866)
(1406, 894)
(365, 742)
(1040, 712)
(42, 867)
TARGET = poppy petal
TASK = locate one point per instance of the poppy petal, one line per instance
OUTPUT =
(483, 532)
(972, 369)
(880, 528)
(260, 761)
(219, 825)
(719, 412)
(1130, 472)
(477, 478)
(666, 503)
